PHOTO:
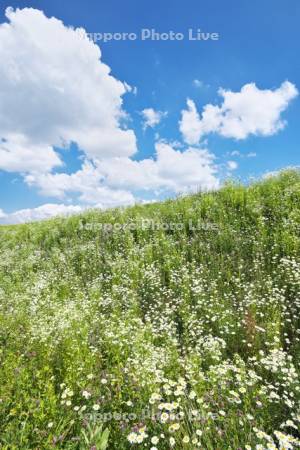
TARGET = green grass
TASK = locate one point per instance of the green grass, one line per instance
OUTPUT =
(188, 337)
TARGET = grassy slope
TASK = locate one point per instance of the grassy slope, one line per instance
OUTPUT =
(207, 320)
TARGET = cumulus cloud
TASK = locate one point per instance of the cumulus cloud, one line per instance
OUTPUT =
(86, 182)
(55, 90)
(41, 212)
(252, 111)
(17, 154)
(152, 117)
(121, 180)
(190, 124)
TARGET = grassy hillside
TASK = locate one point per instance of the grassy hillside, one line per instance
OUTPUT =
(180, 333)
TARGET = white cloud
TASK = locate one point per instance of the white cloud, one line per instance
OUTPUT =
(41, 212)
(121, 180)
(54, 90)
(232, 165)
(19, 155)
(251, 111)
(190, 124)
(152, 117)
(198, 83)
(186, 171)
(86, 182)
(239, 154)
(235, 153)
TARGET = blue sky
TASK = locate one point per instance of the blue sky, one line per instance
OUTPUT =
(258, 43)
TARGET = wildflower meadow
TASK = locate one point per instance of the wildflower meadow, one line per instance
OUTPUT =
(163, 326)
